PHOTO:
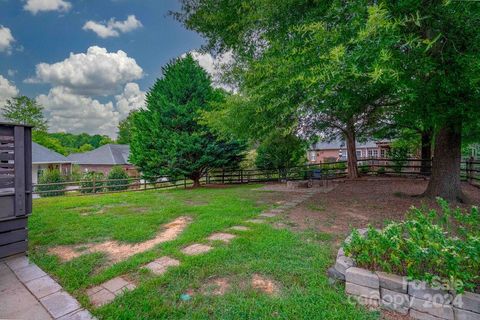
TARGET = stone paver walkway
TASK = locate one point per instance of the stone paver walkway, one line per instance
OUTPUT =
(196, 249)
(27, 292)
(225, 237)
(107, 291)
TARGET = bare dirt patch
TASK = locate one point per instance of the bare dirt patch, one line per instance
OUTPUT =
(265, 284)
(216, 286)
(359, 203)
(118, 251)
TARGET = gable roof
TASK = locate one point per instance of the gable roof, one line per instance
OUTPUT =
(41, 154)
(109, 154)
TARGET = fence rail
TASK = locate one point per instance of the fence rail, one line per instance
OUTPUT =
(470, 172)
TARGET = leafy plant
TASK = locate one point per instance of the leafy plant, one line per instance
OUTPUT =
(429, 245)
(92, 182)
(381, 171)
(117, 179)
(46, 180)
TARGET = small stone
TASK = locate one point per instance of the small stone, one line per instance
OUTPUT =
(335, 275)
(93, 290)
(461, 314)
(115, 284)
(43, 286)
(362, 277)
(468, 301)
(340, 253)
(393, 282)
(366, 292)
(128, 287)
(343, 263)
(256, 221)
(60, 304)
(369, 302)
(196, 249)
(101, 298)
(161, 265)
(225, 237)
(240, 228)
(268, 215)
(438, 310)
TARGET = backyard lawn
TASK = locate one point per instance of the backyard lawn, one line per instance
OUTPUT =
(264, 272)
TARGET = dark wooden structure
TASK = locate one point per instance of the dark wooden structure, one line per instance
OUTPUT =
(15, 187)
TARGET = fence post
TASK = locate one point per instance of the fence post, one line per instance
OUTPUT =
(223, 176)
(145, 184)
(94, 190)
(469, 170)
(241, 175)
(185, 182)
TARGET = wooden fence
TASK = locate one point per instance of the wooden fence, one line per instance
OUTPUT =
(15, 187)
(330, 170)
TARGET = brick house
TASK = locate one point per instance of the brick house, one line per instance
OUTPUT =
(103, 159)
(337, 150)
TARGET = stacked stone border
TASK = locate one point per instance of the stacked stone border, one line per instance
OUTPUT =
(396, 293)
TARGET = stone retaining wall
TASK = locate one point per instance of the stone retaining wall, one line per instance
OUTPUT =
(414, 298)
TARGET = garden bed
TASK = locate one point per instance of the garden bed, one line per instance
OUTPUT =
(426, 267)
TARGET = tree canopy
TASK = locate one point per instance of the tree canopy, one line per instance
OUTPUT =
(305, 65)
(24, 110)
(167, 137)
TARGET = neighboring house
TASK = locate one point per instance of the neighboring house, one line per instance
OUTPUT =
(104, 158)
(44, 158)
(337, 150)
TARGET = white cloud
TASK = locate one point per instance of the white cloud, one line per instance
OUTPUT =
(6, 40)
(131, 98)
(70, 112)
(113, 28)
(7, 90)
(35, 6)
(214, 66)
(96, 72)
(11, 72)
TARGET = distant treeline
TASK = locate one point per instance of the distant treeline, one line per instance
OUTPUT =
(67, 143)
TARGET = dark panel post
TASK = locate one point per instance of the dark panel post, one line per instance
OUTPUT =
(19, 137)
(28, 170)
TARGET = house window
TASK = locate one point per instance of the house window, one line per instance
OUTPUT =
(313, 156)
(383, 153)
(375, 153)
(370, 153)
(359, 153)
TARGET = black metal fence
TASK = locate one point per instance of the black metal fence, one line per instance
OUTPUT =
(330, 170)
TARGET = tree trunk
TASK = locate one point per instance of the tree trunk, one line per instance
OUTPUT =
(196, 182)
(426, 152)
(445, 179)
(351, 154)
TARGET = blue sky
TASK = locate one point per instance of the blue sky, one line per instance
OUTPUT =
(89, 62)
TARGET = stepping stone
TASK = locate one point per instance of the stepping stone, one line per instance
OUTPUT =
(196, 249)
(225, 237)
(268, 215)
(107, 291)
(240, 228)
(78, 315)
(277, 210)
(256, 221)
(161, 265)
(101, 298)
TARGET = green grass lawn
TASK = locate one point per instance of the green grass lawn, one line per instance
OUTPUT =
(297, 262)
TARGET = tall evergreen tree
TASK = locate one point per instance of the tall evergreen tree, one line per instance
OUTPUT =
(167, 137)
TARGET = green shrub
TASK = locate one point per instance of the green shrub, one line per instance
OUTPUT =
(119, 179)
(91, 179)
(51, 176)
(381, 170)
(364, 169)
(434, 247)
